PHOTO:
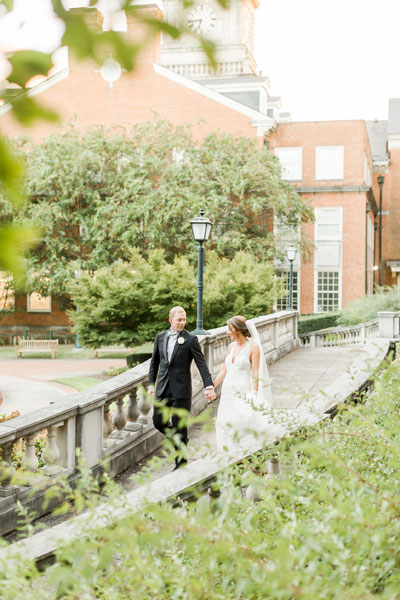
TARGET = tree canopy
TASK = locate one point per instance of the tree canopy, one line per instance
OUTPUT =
(21, 65)
(98, 194)
(128, 302)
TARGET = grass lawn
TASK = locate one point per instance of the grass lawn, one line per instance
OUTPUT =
(80, 384)
(68, 351)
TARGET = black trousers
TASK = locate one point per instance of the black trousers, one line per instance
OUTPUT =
(169, 401)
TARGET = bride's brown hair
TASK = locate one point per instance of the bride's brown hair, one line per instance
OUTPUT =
(239, 324)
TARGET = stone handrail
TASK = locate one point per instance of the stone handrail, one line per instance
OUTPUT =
(82, 421)
(341, 336)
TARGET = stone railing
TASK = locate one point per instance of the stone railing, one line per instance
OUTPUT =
(342, 336)
(83, 421)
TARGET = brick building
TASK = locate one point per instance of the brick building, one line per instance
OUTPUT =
(334, 165)
(330, 164)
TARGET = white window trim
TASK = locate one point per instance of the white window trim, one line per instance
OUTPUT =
(321, 209)
(317, 178)
(37, 310)
(323, 270)
(299, 150)
(326, 241)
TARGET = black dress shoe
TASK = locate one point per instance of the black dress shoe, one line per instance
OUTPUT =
(180, 463)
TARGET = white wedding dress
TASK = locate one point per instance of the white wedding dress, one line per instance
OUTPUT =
(242, 418)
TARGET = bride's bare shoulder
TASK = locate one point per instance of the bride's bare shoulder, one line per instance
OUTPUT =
(254, 347)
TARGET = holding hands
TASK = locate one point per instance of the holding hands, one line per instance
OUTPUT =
(210, 394)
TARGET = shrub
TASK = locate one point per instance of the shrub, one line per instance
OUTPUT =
(129, 303)
(367, 308)
(316, 322)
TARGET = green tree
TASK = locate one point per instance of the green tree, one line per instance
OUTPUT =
(83, 43)
(98, 194)
(129, 302)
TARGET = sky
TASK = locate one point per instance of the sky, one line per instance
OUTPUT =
(326, 59)
(330, 59)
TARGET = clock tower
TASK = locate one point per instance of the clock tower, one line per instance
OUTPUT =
(232, 31)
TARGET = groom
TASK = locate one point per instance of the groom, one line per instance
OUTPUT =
(172, 357)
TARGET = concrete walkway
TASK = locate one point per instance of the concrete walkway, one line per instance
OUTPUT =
(308, 371)
(294, 378)
(26, 383)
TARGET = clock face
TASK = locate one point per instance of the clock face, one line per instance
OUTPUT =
(202, 18)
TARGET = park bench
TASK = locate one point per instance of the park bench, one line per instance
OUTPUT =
(37, 346)
(114, 348)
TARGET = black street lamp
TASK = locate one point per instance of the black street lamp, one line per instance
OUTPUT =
(291, 255)
(381, 179)
(201, 228)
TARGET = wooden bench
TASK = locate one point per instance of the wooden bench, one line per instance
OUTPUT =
(110, 350)
(37, 346)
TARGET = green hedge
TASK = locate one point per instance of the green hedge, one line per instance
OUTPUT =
(135, 359)
(316, 322)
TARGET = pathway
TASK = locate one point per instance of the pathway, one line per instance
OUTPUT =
(293, 377)
(26, 383)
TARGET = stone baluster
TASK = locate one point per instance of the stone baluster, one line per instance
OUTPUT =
(119, 420)
(145, 405)
(133, 413)
(107, 425)
(30, 460)
(7, 470)
(51, 453)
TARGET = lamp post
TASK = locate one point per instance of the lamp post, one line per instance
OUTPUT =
(201, 228)
(291, 255)
(77, 345)
(381, 179)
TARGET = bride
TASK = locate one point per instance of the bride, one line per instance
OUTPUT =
(246, 391)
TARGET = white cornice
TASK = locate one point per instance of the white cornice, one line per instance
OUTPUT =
(258, 119)
(39, 88)
(394, 141)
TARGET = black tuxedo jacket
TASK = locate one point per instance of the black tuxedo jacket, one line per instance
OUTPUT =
(176, 372)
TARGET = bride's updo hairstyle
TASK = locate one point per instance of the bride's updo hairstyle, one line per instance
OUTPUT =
(239, 324)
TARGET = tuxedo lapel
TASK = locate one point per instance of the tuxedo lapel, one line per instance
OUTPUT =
(164, 345)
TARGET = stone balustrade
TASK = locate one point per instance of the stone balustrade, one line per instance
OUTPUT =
(352, 335)
(83, 421)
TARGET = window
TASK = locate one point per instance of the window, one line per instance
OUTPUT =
(37, 303)
(328, 258)
(329, 162)
(7, 298)
(283, 303)
(291, 160)
(327, 291)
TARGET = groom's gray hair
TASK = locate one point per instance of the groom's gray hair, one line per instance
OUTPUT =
(174, 310)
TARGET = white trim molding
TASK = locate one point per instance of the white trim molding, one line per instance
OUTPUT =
(262, 122)
(39, 88)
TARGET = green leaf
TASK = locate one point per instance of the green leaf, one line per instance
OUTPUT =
(9, 4)
(209, 50)
(26, 64)
(11, 173)
(27, 110)
(165, 27)
(14, 242)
